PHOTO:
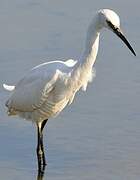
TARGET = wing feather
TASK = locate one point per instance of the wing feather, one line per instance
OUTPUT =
(32, 91)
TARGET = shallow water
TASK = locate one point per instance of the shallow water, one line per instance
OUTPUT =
(98, 137)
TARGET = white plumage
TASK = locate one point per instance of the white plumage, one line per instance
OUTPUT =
(49, 87)
(45, 90)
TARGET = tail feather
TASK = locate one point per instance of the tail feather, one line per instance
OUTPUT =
(8, 88)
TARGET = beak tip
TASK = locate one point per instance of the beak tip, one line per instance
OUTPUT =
(134, 54)
(119, 33)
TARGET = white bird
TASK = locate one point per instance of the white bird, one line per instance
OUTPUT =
(48, 88)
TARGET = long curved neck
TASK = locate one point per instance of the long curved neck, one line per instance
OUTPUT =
(82, 73)
(90, 53)
(92, 44)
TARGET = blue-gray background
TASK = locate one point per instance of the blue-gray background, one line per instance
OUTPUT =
(98, 137)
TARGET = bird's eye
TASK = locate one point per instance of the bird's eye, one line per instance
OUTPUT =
(112, 26)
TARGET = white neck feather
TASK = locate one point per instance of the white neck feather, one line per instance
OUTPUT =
(82, 73)
(92, 43)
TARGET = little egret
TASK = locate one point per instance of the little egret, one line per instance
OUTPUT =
(49, 87)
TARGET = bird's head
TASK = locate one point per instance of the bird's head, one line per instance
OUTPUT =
(110, 20)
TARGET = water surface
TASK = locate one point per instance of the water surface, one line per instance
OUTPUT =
(98, 137)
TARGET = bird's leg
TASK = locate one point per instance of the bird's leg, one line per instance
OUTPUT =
(40, 147)
(39, 150)
(41, 173)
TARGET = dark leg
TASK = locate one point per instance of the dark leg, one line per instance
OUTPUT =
(40, 147)
(41, 173)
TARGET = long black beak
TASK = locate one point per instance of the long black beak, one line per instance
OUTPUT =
(119, 33)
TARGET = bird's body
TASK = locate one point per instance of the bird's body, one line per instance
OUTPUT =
(49, 87)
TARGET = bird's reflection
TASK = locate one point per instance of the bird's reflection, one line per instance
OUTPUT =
(41, 172)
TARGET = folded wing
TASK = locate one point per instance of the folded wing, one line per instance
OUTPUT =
(32, 91)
